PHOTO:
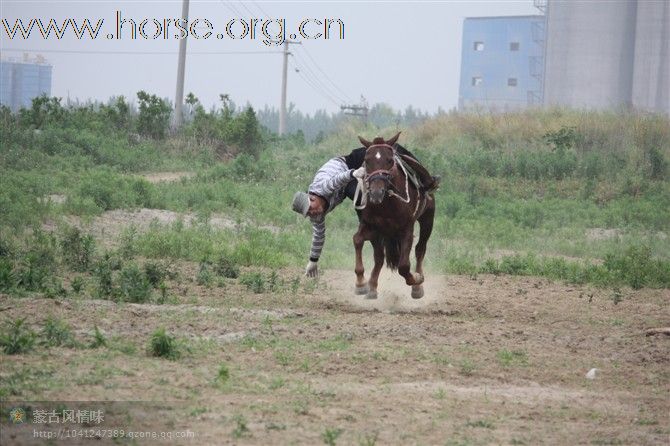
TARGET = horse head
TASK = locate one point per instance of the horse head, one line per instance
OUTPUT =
(380, 165)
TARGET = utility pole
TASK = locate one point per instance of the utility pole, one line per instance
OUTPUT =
(179, 96)
(282, 107)
(356, 110)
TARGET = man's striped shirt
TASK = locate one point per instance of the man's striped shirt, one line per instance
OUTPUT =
(329, 182)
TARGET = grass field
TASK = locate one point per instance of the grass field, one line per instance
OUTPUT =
(134, 268)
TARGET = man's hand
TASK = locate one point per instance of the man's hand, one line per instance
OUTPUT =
(312, 269)
(359, 173)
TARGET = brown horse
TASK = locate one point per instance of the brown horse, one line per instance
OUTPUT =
(393, 204)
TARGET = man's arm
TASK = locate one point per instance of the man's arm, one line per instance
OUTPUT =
(318, 238)
(337, 182)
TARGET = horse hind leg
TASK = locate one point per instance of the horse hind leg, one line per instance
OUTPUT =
(425, 229)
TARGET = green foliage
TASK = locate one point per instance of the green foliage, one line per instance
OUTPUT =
(99, 339)
(330, 436)
(226, 267)
(223, 375)
(56, 332)
(509, 358)
(156, 272)
(636, 267)
(8, 278)
(43, 110)
(109, 190)
(205, 276)
(562, 140)
(38, 264)
(467, 367)
(134, 285)
(254, 281)
(16, 337)
(77, 284)
(163, 345)
(241, 428)
(154, 116)
(234, 133)
(77, 249)
(103, 272)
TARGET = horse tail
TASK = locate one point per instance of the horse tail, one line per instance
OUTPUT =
(392, 249)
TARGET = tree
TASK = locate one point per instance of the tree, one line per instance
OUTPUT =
(154, 115)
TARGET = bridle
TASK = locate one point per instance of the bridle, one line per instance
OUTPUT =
(381, 174)
(387, 176)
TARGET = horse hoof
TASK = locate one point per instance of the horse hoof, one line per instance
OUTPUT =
(371, 295)
(417, 292)
(361, 289)
(418, 279)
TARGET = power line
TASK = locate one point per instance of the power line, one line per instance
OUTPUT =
(315, 87)
(325, 75)
(261, 9)
(231, 8)
(248, 10)
(316, 80)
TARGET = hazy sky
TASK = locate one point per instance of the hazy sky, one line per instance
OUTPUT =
(399, 53)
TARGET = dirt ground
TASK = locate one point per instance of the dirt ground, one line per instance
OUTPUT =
(478, 360)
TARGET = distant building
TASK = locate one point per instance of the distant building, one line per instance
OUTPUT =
(502, 62)
(608, 54)
(21, 81)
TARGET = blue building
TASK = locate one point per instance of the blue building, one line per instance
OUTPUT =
(502, 61)
(22, 81)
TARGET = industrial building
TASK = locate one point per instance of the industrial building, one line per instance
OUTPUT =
(580, 54)
(502, 62)
(608, 55)
(23, 80)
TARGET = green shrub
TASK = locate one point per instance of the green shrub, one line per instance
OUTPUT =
(223, 374)
(254, 281)
(330, 436)
(154, 115)
(77, 284)
(16, 338)
(103, 272)
(99, 339)
(226, 267)
(157, 272)
(8, 278)
(205, 276)
(636, 267)
(163, 345)
(77, 249)
(134, 285)
(56, 333)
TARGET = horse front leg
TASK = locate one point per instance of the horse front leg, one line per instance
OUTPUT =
(378, 247)
(359, 239)
(403, 264)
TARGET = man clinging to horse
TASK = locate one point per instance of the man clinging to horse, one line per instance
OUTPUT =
(334, 181)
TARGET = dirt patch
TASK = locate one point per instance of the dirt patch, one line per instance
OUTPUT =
(478, 360)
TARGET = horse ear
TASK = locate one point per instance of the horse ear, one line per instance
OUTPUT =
(364, 141)
(393, 140)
